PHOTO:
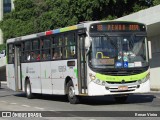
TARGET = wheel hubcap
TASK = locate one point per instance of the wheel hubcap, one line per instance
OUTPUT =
(71, 92)
(28, 89)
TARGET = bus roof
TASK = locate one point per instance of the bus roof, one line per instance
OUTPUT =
(84, 24)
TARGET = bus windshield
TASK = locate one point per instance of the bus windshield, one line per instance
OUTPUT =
(122, 51)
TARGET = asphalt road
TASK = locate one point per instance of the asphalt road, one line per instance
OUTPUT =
(58, 106)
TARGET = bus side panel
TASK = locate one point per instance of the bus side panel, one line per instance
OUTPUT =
(57, 69)
(10, 72)
(71, 71)
(32, 70)
(46, 77)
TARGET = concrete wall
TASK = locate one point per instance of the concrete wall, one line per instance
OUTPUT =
(148, 16)
(155, 62)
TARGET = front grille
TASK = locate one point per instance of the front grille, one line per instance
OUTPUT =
(121, 82)
(122, 73)
(115, 89)
(123, 91)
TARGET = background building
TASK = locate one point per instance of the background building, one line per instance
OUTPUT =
(151, 17)
(5, 6)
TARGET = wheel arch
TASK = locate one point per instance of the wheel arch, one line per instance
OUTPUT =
(68, 78)
(26, 80)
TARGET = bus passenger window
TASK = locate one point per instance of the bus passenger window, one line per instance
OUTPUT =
(69, 52)
(60, 41)
(72, 51)
(28, 57)
(56, 55)
(32, 56)
(38, 57)
(44, 56)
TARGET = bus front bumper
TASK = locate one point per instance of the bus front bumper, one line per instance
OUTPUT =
(113, 89)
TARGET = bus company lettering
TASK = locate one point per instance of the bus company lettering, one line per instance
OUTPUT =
(133, 27)
(62, 68)
(116, 27)
(30, 70)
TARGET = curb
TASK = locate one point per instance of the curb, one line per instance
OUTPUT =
(155, 89)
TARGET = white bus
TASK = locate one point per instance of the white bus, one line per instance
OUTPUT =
(89, 59)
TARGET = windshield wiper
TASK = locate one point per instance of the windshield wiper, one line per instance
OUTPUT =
(110, 41)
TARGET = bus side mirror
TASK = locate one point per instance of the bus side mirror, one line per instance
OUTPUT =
(149, 50)
(87, 42)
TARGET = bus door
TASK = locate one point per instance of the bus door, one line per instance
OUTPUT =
(82, 81)
(17, 63)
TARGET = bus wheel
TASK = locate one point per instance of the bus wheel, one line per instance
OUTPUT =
(28, 90)
(73, 99)
(121, 99)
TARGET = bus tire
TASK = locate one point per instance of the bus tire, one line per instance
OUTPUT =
(72, 98)
(28, 90)
(121, 99)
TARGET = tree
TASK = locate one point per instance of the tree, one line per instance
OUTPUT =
(32, 16)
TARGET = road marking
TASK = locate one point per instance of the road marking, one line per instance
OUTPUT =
(13, 103)
(2, 91)
(54, 111)
(39, 108)
(26, 106)
(73, 115)
(4, 101)
(51, 110)
(158, 97)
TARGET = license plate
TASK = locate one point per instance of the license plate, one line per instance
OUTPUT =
(123, 88)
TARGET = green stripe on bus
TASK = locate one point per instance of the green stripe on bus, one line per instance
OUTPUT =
(76, 72)
(120, 78)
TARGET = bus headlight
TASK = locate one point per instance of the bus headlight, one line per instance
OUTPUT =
(99, 82)
(144, 79)
(92, 77)
(103, 83)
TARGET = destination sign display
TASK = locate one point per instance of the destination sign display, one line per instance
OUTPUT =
(117, 27)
